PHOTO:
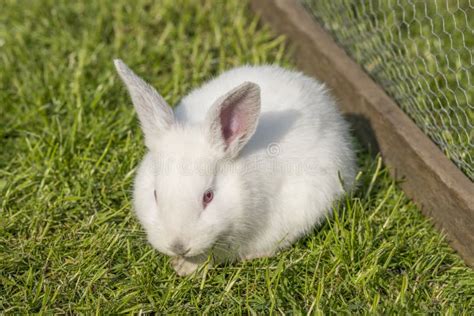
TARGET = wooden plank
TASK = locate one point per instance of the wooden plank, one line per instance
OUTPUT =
(427, 176)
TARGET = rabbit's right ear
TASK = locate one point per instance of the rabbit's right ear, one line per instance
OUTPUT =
(154, 113)
(233, 118)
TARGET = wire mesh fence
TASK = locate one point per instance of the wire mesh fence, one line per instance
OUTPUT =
(421, 53)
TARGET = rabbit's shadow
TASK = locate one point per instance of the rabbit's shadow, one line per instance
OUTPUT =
(272, 127)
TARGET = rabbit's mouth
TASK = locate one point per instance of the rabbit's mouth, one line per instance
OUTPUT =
(196, 258)
(202, 254)
(221, 245)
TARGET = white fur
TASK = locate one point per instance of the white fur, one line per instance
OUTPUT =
(281, 184)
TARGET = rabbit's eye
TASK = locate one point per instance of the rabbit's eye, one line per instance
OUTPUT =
(154, 193)
(207, 197)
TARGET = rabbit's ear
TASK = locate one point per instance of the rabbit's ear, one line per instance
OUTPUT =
(233, 118)
(154, 113)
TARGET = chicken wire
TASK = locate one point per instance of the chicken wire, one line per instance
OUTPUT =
(421, 53)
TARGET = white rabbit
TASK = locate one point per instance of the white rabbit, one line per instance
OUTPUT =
(247, 164)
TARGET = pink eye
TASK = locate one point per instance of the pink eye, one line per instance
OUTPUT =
(207, 197)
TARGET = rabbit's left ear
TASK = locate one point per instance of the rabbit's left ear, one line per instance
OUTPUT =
(233, 118)
(155, 115)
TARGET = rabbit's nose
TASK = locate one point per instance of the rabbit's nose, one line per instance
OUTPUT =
(178, 248)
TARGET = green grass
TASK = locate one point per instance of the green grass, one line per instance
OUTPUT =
(69, 242)
(421, 53)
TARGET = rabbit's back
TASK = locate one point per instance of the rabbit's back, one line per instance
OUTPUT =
(298, 117)
(281, 89)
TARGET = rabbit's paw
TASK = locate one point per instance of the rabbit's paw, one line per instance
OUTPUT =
(182, 266)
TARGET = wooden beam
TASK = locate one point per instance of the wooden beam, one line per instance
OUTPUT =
(427, 176)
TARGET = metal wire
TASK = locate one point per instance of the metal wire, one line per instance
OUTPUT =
(421, 53)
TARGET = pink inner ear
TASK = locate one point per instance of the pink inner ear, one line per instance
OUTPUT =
(231, 124)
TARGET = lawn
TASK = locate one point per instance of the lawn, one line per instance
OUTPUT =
(69, 242)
